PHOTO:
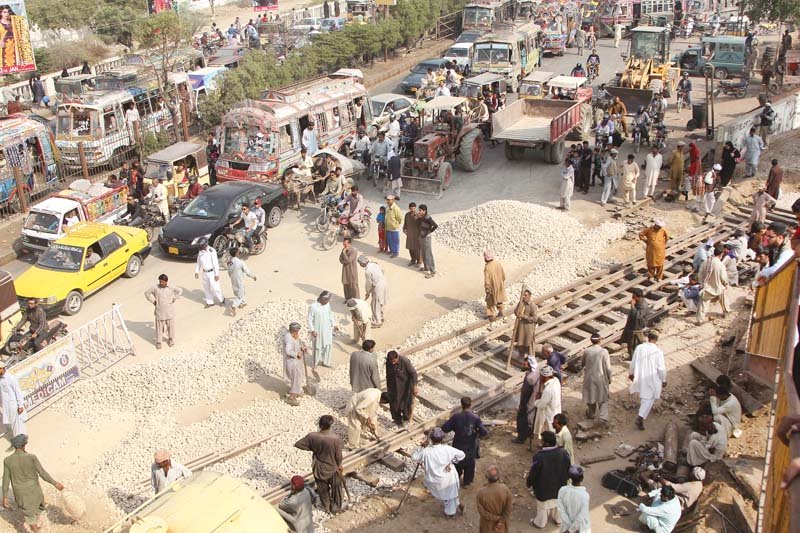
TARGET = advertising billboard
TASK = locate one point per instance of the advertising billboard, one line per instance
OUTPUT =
(265, 5)
(16, 52)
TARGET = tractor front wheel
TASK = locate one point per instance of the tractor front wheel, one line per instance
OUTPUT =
(470, 151)
(445, 174)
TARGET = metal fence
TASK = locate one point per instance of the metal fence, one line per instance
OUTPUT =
(773, 333)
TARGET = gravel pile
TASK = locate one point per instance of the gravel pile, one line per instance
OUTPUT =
(516, 231)
(787, 199)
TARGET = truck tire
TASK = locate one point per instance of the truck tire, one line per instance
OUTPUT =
(445, 174)
(546, 152)
(509, 152)
(656, 85)
(556, 151)
(470, 151)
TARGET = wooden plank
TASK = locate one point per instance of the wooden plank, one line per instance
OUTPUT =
(749, 404)
(435, 404)
(450, 385)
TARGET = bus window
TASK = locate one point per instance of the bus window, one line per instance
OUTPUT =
(285, 139)
(336, 119)
(322, 123)
(110, 122)
(81, 122)
(295, 134)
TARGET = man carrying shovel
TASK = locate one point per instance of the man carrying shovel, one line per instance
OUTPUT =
(361, 313)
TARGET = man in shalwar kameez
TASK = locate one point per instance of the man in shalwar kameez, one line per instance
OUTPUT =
(361, 315)
(655, 239)
(362, 414)
(596, 364)
(526, 411)
(293, 362)
(441, 479)
(320, 325)
(237, 270)
(401, 387)
(375, 286)
(11, 404)
(549, 404)
(762, 202)
(494, 284)
(296, 508)
(707, 446)
(713, 277)
(525, 327)
(649, 375)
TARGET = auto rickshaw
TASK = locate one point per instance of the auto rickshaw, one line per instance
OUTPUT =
(175, 164)
(533, 85)
(478, 85)
(10, 312)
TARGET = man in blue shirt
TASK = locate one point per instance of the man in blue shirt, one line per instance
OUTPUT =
(554, 359)
(468, 429)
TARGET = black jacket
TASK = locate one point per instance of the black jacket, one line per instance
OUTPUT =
(549, 472)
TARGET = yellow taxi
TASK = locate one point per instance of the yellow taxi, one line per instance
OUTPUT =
(90, 256)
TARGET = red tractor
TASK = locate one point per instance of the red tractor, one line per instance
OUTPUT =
(448, 135)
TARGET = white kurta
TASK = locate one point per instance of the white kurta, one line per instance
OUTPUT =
(573, 508)
(728, 413)
(207, 267)
(548, 406)
(652, 169)
(11, 398)
(698, 451)
(364, 315)
(375, 285)
(161, 481)
(661, 517)
(648, 370)
(441, 478)
(320, 321)
(237, 270)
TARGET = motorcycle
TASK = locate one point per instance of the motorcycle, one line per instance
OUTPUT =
(602, 140)
(738, 89)
(592, 72)
(20, 344)
(152, 220)
(327, 211)
(639, 133)
(377, 169)
(340, 225)
(233, 238)
(661, 136)
(682, 99)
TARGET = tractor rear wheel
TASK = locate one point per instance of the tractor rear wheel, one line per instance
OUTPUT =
(445, 174)
(470, 151)
(556, 153)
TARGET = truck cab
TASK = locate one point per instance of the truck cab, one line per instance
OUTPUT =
(728, 55)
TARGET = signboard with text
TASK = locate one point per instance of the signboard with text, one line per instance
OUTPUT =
(45, 374)
(16, 52)
(265, 5)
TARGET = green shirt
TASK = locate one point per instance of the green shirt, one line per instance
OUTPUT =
(23, 470)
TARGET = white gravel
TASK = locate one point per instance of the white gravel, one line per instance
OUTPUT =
(787, 199)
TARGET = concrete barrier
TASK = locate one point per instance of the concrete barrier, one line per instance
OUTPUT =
(787, 109)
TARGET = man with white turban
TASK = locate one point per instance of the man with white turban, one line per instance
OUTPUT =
(549, 404)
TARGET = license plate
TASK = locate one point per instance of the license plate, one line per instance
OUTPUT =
(172, 250)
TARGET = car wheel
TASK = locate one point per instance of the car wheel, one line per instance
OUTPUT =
(274, 217)
(721, 73)
(134, 266)
(74, 303)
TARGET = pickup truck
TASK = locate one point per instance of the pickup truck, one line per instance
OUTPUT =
(542, 124)
(47, 220)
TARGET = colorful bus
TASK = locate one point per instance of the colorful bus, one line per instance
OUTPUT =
(482, 14)
(511, 51)
(260, 139)
(28, 145)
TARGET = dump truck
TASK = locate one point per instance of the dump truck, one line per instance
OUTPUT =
(536, 124)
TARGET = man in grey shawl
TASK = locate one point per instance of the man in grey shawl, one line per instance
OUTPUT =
(596, 379)
(237, 270)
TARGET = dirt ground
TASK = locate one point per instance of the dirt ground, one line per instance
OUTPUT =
(682, 342)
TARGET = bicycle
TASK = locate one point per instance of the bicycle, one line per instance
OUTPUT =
(681, 101)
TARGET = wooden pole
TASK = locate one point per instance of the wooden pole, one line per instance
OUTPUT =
(82, 157)
(21, 185)
(511, 344)
(185, 120)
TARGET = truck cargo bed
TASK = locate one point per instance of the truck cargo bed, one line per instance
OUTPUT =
(527, 128)
(534, 121)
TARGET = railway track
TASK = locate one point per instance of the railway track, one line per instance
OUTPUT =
(567, 317)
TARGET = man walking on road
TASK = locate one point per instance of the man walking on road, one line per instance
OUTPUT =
(326, 464)
(468, 429)
(401, 387)
(163, 299)
(655, 239)
(320, 325)
(364, 372)
(237, 270)
(348, 259)
(441, 478)
(774, 179)
(426, 228)
(376, 287)
(361, 315)
(208, 267)
(494, 503)
(22, 470)
(11, 404)
(648, 373)
(525, 314)
(713, 277)
(394, 222)
(638, 316)
(494, 285)
(652, 169)
(596, 365)
(610, 177)
(411, 230)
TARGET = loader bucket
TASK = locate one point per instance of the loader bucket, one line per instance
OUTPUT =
(632, 98)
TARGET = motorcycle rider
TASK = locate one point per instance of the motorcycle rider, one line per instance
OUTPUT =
(250, 221)
(593, 62)
(642, 122)
(578, 71)
(36, 318)
(134, 214)
(393, 131)
(378, 151)
(158, 195)
(685, 89)
(604, 131)
(355, 205)
(359, 146)
(194, 189)
(659, 108)
(261, 215)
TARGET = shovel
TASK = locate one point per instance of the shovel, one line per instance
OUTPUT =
(309, 389)
(405, 494)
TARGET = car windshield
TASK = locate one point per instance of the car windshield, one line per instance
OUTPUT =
(205, 206)
(43, 222)
(422, 68)
(377, 108)
(457, 52)
(61, 257)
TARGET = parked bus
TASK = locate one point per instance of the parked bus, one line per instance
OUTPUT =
(482, 14)
(261, 138)
(29, 145)
(512, 51)
(97, 118)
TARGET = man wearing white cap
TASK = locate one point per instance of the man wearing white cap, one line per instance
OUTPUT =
(710, 182)
(648, 373)
(549, 404)
(11, 404)
(164, 472)
(655, 239)
(652, 169)
(208, 267)
(441, 479)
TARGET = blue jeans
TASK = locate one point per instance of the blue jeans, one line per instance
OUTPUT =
(393, 240)
(248, 237)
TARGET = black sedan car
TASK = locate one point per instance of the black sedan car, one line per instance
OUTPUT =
(413, 81)
(208, 214)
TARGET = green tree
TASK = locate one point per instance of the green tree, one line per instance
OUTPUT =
(69, 14)
(166, 35)
(775, 10)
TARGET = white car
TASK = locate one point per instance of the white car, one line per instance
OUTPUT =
(308, 24)
(383, 105)
(460, 54)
